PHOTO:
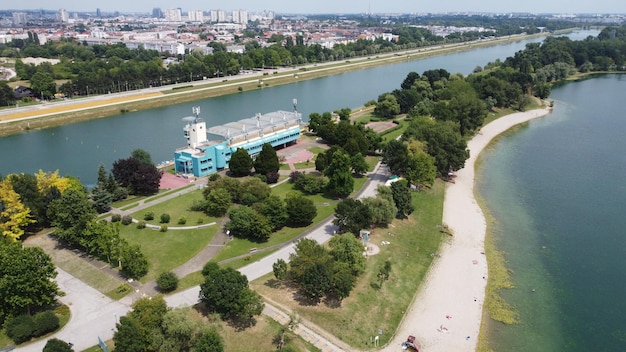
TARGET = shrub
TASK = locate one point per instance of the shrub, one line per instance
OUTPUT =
(182, 220)
(214, 177)
(127, 220)
(116, 218)
(56, 345)
(165, 218)
(163, 228)
(167, 281)
(45, 322)
(141, 225)
(20, 329)
(200, 221)
(272, 177)
(148, 216)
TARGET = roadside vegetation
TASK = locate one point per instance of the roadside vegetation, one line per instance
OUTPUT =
(325, 284)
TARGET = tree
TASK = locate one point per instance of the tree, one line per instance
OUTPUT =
(351, 215)
(147, 314)
(301, 210)
(340, 180)
(254, 190)
(316, 282)
(143, 156)
(402, 197)
(275, 210)
(348, 249)
(167, 281)
(307, 253)
(128, 336)
(100, 195)
(14, 216)
(25, 185)
(56, 345)
(26, 279)
(280, 269)
(267, 160)
(134, 262)
(146, 180)
(358, 164)
(382, 209)
(246, 222)
(43, 84)
(395, 156)
(226, 292)
(387, 106)
(240, 163)
(208, 341)
(421, 169)
(217, 202)
(70, 215)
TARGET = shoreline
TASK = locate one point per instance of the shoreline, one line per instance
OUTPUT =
(447, 312)
(37, 117)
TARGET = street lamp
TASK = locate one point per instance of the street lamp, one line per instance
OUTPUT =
(87, 90)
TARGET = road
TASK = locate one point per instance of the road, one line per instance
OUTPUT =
(94, 314)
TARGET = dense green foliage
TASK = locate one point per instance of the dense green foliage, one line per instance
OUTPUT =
(56, 345)
(167, 281)
(240, 163)
(266, 161)
(226, 292)
(26, 279)
(322, 273)
(151, 326)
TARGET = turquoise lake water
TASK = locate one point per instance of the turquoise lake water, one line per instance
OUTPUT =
(557, 189)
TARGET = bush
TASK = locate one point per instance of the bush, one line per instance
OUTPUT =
(272, 177)
(163, 228)
(45, 322)
(182, 220)
(141, 225)
(116, 218)
(127, 220)
(165, 218)
(56, 345)
(167, 281)
(148, 216)
(20, 329)
(214, 177)
(200, 221)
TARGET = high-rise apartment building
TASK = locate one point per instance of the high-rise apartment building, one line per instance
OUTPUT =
(63, 15)
(173, 15)
(240, 16)
(19, 18)
(196, 16)
(218, 16)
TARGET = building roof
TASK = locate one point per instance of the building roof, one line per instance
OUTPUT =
(256, 126)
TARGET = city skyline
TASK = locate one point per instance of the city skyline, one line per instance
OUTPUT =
(325, 6)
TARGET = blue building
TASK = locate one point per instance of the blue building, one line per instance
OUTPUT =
(203, 157)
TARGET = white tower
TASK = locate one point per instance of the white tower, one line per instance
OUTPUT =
(195, 130)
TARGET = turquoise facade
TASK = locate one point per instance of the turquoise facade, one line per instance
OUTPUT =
(212, 157)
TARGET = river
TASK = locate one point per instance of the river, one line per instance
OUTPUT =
(556, 188)
(78, 149)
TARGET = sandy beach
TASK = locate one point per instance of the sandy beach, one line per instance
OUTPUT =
(447, 313)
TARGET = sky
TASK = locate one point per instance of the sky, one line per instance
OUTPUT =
(334, 6)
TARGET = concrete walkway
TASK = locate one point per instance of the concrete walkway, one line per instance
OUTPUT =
(90, 321)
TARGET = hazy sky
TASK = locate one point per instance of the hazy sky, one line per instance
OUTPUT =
(335, 6)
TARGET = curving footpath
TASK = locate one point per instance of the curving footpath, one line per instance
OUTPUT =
(445, 314)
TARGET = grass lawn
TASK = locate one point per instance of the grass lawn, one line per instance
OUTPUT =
(404, 124)
(413, 241)
(167, 250)
(176, 208)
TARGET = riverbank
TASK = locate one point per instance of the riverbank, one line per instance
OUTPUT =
(19, 120)
(447, 313)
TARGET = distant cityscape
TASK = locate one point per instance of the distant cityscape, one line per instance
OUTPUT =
(176, 31)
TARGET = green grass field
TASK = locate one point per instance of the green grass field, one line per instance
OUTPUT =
(413, 241)
(167, 250)
(177, 207)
